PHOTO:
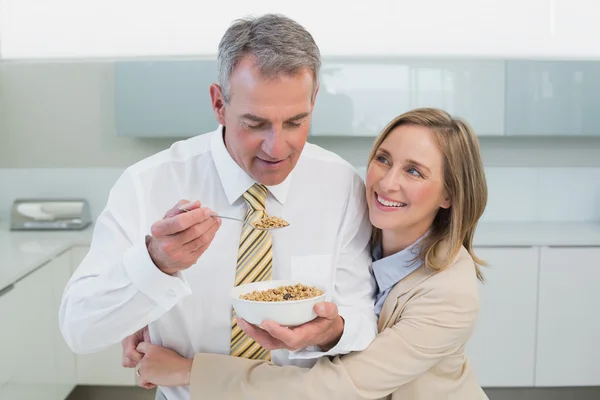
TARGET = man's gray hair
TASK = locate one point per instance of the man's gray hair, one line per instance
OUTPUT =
(278, 44)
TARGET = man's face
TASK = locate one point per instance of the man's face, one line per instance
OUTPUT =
(266, 121)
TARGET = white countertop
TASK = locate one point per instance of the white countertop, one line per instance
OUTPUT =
(23, 252)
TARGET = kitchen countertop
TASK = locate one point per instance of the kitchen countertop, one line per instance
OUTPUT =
(21, 252)
(24, 251)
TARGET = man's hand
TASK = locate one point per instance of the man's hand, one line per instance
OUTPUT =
(162, 367)
(324, 331)
(180, 238)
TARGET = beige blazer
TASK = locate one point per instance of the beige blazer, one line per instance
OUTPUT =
(419, 353)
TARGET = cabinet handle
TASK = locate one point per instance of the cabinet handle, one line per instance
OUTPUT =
(6, 289)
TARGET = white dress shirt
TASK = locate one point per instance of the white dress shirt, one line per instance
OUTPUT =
(117, 289)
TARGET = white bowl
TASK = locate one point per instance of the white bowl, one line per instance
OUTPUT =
(286, 313)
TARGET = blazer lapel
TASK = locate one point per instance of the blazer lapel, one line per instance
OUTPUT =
(402, 287)
(388, 314)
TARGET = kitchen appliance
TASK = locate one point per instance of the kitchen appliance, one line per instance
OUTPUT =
(50, 214)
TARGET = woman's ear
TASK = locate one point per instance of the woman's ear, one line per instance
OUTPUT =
(446, 203)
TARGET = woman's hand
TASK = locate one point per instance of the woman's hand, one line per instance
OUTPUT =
(162, 367)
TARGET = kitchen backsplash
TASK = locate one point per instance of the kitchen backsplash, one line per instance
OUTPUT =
(515, 194)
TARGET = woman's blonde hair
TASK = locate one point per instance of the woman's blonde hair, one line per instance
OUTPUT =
(464, 182)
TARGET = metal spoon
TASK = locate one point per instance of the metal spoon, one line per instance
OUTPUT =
(183, 209)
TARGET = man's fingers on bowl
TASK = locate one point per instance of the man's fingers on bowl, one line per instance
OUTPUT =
(259, 335)
(326, 310)
(286, 335)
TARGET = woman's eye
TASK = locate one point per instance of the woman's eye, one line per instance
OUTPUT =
(414, 172)
(382, 159)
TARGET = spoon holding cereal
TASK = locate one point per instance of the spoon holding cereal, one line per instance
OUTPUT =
(267, 223)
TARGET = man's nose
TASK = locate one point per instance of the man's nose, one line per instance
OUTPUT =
(275, 145)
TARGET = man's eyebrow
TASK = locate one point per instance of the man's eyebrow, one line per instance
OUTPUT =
(254, 118)
(298, 116)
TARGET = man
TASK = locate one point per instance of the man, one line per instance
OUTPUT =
(172, 271)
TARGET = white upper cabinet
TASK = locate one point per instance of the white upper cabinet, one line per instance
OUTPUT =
(359, 97)
(552, 98)
(115, 28)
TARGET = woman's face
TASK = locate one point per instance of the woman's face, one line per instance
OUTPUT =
(405, 181)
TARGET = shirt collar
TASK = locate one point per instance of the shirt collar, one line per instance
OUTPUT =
(234, 179)
(392, 269)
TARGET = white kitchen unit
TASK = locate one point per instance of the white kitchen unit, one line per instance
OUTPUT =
(32, 356)
(350, 105)
(103, 367)
(502, 348)
(568, 341)
(537, 326)
(8, 335)
(552, 98)
(65, 359)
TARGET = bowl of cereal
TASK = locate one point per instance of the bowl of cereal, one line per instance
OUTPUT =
(289, 303)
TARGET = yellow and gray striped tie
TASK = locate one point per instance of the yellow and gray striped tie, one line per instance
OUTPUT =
(255, 260)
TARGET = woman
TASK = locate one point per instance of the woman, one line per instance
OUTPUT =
(426, 191)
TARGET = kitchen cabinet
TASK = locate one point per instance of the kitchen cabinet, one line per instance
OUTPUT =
(32, 353)
(164, 98)
(349, 104)
(65, 359)
(568, 345)
(8, 335)
(551, 98)
(502, 348)
(103, 367)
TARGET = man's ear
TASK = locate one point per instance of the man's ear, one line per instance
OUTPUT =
(218, 103)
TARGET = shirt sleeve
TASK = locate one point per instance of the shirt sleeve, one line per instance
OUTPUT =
(354, 286)
(117, 289)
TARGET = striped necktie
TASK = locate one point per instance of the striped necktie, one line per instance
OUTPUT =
(255, 259)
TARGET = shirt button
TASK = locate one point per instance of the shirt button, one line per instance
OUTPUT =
(171, 293)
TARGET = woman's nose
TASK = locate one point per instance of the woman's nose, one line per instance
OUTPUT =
(390, 182)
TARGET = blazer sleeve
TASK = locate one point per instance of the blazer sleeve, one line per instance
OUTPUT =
(433, 325)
